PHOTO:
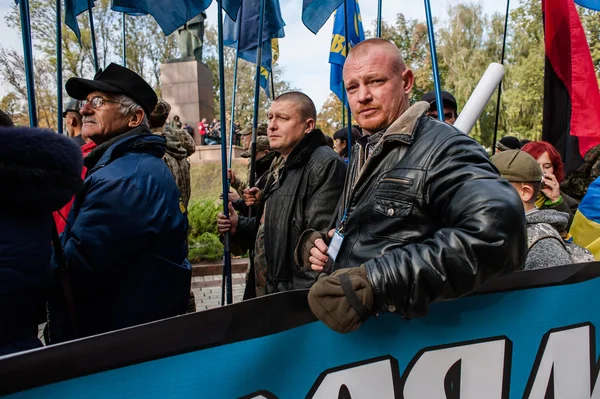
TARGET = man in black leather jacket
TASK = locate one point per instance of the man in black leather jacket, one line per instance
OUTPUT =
(301, 192)
(424, 216)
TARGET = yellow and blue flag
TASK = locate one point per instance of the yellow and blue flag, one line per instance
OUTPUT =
(243, 34)
(585, 228)
(337, 52)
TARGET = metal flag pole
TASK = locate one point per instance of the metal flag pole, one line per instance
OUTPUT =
(28, 57)
(273, 95)
(59, 63)
(252, 177)
(234, 91)
(434, 64)
(500, 85)
(349, 114)
(93, 35)
(226, 243)
(124, 26)
(379, 17)
(343, 105)
(256, 94)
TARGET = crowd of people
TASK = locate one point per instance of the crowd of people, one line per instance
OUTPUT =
(94, 227)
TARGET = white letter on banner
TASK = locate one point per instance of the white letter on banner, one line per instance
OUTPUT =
(465, 371)
(563, 365)
(365, 380)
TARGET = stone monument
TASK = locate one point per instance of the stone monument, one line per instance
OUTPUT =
(186, 82)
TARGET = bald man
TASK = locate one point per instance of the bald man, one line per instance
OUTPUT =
(424, 216)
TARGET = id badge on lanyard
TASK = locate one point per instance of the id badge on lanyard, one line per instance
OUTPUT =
(337, 239)
(335, 245)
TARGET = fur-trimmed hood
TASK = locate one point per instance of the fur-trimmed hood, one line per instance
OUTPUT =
(39, 169)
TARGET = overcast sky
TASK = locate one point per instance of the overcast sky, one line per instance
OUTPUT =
(303, 55)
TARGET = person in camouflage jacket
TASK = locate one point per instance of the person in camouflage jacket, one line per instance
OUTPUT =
(262, 163)
(180, 145)
(577, 182)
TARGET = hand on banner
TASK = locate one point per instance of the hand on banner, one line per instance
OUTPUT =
(342, 300)
(550, 187)
(318, 253)
(225, 224)
(252, 196)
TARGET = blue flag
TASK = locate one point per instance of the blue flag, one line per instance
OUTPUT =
(316, 12)
(337, 52)
(169, 14)
(245, 29)
(591, 4)
(72, 9)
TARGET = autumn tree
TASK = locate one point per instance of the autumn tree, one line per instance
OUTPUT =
(244, 104)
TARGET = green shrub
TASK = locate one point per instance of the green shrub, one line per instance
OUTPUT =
(205, 247)
(202, 216)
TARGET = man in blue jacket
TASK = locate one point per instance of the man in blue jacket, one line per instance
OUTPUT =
(125, 239)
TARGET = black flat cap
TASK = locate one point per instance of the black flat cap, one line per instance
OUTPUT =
(508, 143)
(447, 98)
(72, 106)
(115, 79)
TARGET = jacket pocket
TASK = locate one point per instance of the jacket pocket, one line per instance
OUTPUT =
(393, 208)
(389, 217)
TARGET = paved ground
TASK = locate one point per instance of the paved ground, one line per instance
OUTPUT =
(207, 290)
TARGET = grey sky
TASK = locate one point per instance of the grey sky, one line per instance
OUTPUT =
(303, 55)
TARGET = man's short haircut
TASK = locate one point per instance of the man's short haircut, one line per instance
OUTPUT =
(307, 107)
(365, 45)
(5, 120)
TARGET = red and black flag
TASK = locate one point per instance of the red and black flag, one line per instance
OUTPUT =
(571, 96)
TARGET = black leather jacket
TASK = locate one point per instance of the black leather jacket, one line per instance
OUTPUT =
(428, 216)
(305, 196)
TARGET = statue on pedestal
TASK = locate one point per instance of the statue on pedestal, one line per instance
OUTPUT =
(190, 37)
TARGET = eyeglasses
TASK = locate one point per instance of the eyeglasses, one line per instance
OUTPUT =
(97, 102)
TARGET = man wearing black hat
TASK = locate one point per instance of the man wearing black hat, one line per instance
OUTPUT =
(507, 143)
(450, 106)
(73, 121)
(125, 239)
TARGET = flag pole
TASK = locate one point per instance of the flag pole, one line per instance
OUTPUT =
(379, 6)
(343, 106)
(349, 114)
(28, 57)
(59, 64)
(273, 95)
(434, 64)
(233, 94)
(93, 35)
(256, 94)
(124, 26)
(226, 242)
(500, 85)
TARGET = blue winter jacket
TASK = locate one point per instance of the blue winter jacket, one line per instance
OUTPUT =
(39, 173)
(125, 241)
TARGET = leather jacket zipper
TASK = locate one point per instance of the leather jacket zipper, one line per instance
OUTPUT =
(403, 181)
